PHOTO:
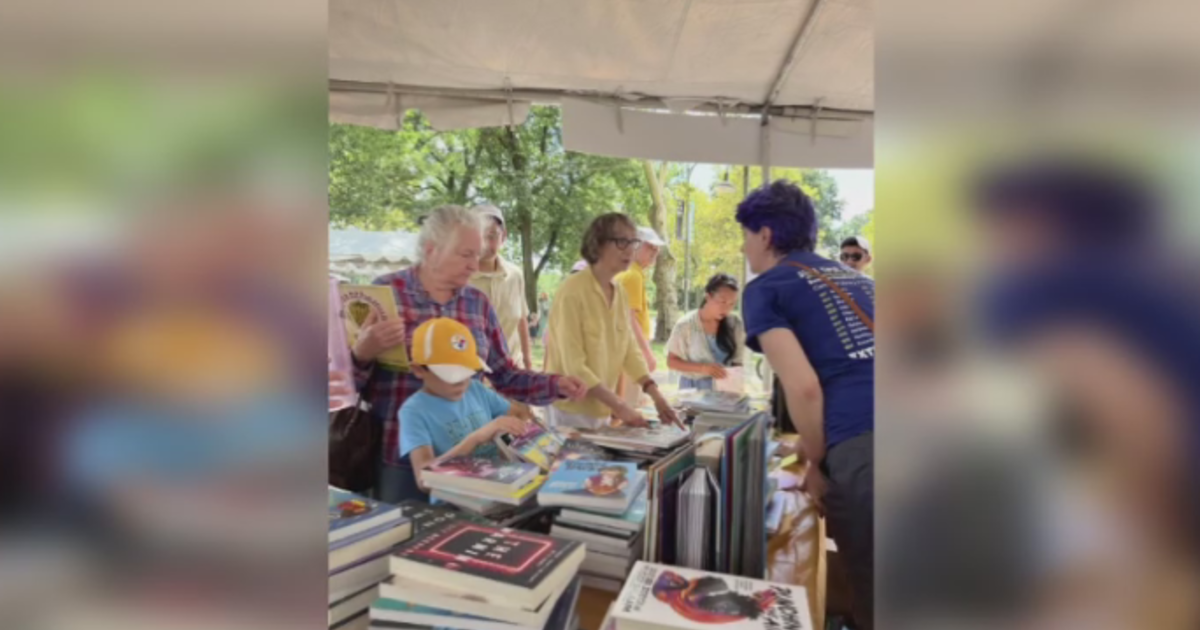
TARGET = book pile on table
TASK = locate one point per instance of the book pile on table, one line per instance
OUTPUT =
(658, 597)
(462, 574)
(362, 532)
(604, 508)
(647, 441)
(701, 401)
(482, 485)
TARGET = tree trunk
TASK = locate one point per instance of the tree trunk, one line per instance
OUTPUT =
(666, 298)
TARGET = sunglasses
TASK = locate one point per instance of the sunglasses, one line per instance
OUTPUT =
(624, 243)
(848, 256)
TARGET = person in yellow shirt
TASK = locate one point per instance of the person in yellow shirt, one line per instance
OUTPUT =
(504, 284)
(633, 281)
(593, 336)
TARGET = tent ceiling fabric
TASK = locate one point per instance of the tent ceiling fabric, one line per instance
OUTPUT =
(389, 55)
(708, 49)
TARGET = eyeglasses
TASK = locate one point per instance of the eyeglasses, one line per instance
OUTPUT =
(624, 243)
(851, 256)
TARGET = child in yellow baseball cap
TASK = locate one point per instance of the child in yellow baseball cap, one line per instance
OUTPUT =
(453, 414)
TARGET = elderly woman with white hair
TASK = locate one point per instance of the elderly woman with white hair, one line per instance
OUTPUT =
(449, 247)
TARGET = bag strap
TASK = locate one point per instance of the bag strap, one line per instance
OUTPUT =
(862, 315)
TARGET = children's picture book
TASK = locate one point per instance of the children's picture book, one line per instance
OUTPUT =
(600, 485)
(352, 515)
(364, 304)
(536, 446)
(668, 597)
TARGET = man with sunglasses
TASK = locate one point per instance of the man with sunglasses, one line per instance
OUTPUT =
(856, 253)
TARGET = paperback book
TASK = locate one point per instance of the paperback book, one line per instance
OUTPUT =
(632, 520)
(365, 304)
(352, 514)
(479, 474)
(391, 613)
(536, 446)
(521, 567)
(658, 596)
(598, 485)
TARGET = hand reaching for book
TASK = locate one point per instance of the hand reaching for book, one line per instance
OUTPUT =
(505, 424)
(628, 416)
(377, 337)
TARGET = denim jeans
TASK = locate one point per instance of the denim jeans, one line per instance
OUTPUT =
(398, 483)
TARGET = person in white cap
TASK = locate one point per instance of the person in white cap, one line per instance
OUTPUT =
(633, 281)
(504, 284)
(856, 253)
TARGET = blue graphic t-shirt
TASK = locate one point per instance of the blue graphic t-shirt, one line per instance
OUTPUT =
(426, 420)
(840, 347)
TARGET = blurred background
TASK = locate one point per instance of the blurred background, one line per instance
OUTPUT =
(162, 294)
(1038, 351)
(163, 226)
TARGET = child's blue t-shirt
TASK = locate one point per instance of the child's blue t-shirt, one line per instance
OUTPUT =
(427, 420)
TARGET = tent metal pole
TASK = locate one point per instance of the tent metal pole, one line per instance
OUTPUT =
(793, 53)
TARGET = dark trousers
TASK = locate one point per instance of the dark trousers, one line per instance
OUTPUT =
(849, 468)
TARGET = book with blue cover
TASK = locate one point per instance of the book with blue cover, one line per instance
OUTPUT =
(392, 613)
(596, 485)
(353, 517)
(632, 520)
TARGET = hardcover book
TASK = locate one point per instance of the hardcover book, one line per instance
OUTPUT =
(659, 596)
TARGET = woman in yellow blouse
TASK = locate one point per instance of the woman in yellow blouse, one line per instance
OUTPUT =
(591, 335)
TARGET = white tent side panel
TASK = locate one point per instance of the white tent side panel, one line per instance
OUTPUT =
(597, 128)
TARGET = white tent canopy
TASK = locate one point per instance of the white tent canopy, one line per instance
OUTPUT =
(684, 80)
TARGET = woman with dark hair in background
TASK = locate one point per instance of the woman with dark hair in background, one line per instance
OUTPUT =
(814, 319)
(707, 340)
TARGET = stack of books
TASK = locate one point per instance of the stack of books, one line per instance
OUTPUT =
(481, 485)
(362, 533)
(605, 508)
(650, 441)
(659, 597)
(465, 575)
(702, 401)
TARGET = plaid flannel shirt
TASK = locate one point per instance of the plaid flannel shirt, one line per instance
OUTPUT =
(386, 390)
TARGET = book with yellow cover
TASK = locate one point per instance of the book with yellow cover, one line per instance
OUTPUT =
(366, 304)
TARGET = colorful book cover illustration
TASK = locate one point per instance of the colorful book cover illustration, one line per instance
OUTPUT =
(363, 304)
(482, 468)
(518, 558)
(696, 600)
(348, 510)
(605, 479)
(536, 446)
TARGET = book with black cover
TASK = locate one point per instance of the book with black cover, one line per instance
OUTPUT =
(521, 566)
(425, 516)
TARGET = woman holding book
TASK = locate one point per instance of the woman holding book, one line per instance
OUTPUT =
(709, 339)
(591, 337)
(814, 319)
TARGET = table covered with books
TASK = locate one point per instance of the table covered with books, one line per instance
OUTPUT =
(638, 528)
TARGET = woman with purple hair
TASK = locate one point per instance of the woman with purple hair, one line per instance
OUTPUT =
(814, 319)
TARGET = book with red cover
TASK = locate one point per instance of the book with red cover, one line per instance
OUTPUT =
(523, 567)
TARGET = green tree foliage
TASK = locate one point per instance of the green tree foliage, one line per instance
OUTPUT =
(384, 180)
